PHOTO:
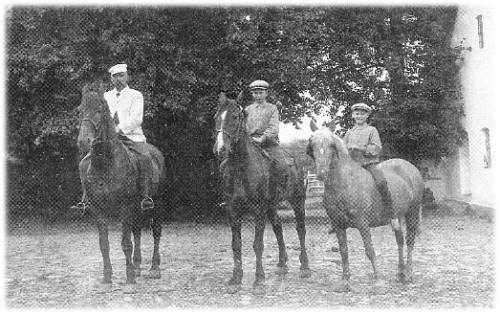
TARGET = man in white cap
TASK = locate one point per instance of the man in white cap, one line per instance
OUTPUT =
(263, 127)
(126, 106)
(364, 145)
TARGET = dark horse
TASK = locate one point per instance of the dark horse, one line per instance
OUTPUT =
(109, 174)
(246, 174)
(352, 200)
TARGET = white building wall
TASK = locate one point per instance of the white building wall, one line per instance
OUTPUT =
(477, 76)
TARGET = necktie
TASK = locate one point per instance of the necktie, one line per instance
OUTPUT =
(115, 118)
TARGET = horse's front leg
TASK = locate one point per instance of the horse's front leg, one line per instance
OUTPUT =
(364, 230)
(235, 222)
(258, 245)
(127, 250)
(278, 232)
(102, 226)
(300, 226)
(344, 254)
(136, 230)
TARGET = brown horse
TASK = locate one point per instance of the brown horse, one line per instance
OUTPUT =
(246, 174)
(110, 177)
(352, 200)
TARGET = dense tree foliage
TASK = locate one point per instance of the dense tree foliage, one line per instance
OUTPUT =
(395, 58)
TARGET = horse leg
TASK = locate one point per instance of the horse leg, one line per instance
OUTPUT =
(127, 250)
(412, 227)
(278, 232)
(300, 225)
(137, 250)
(104, 246)
(236, 246)
(344, 254)
(234, 216)
(364, 230)
(401, 263)
(258, 246)
(154, 272)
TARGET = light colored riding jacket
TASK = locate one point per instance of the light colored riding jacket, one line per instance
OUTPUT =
(363, 143)
(263, 120)
(128, 104)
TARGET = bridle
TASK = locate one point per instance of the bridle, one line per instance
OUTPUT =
(92, 123)
(236, 134)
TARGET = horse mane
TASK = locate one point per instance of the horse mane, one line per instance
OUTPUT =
(342, 151)
(107, 126)
(101, 147)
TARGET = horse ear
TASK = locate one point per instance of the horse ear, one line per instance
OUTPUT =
(239, 99)
(313, 125)
(309, 150)
(331, 125)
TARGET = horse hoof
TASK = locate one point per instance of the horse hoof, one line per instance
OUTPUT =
(153, 274)
(405, 277)
(259, 282)
(305, 273)
(282, 270)
(259, 288)
(343, 287)
(137, 272)
(232, 289)
(106, 280)
(401, 277)
(234, 281)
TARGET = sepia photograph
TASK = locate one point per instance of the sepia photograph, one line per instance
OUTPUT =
(279, 156)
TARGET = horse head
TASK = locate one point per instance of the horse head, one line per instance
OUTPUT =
(229, 124)
(96, 124)
(326, 148)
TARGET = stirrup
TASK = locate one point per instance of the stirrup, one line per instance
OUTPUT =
(81, 207)
(147, 203)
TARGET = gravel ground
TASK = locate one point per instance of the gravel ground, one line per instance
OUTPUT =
(59, 266)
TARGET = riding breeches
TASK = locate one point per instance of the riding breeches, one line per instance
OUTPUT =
(381, 183)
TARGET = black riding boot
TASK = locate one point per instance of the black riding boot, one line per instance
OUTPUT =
(83, 204)
(385, 194)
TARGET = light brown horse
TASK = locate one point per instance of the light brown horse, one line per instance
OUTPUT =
(246, 172)
(110, 177)
(352, 200)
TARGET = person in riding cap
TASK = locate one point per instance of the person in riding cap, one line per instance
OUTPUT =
(364, 145)
(263, 127)
(126, 106)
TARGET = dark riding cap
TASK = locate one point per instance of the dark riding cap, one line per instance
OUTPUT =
(259, 84)
(361, 106)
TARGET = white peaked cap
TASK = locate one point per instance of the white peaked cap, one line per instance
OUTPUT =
(119, 68)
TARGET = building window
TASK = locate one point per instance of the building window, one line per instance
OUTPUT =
(480, 30)
(487, 148)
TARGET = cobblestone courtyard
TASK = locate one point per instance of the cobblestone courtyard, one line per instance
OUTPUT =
(59, 266)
